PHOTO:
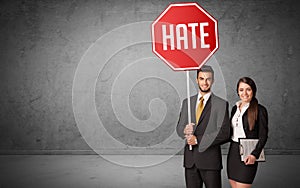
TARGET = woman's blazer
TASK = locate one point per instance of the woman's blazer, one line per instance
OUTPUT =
(260, 130)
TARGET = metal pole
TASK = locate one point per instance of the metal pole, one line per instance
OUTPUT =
(188, 100)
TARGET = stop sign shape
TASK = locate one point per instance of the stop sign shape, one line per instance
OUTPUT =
(185, 36)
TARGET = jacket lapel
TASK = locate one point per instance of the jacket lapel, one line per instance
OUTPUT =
(193, 108)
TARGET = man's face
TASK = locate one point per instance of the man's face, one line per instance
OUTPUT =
(205, 81)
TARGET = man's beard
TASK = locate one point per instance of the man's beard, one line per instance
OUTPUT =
(204, 91)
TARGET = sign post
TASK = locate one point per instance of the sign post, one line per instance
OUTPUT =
(185, 36)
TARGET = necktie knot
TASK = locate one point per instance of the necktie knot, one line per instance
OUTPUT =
(201, 99)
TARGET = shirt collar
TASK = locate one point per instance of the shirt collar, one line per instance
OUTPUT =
(238, 103)
(206, 96)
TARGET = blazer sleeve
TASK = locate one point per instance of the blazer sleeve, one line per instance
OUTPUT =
(233, 110)
(262, 123)
(217, 131)
(224, 132)
(183, 119)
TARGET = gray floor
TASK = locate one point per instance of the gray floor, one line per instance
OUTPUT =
(87, 171)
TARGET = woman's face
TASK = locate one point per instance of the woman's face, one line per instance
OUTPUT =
(245, 92)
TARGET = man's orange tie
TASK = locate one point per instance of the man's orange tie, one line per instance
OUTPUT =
(199, 110)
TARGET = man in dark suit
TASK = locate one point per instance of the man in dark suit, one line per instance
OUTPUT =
(209, 129)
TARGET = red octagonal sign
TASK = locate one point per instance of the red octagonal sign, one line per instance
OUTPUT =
(185, 36)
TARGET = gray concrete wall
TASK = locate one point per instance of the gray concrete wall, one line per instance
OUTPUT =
(47, 47)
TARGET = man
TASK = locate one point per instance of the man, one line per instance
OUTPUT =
(209, 129)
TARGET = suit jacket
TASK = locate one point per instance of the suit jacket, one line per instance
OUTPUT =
(260, 130)
(213, 129)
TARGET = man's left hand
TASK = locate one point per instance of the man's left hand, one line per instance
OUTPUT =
(191, 140)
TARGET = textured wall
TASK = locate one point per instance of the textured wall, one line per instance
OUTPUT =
(44, 45)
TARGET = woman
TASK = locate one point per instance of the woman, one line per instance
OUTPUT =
(248, 120)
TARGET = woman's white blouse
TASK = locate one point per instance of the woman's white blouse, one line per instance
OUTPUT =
(237, 122)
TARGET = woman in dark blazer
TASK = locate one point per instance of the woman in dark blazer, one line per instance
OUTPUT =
(248, 120)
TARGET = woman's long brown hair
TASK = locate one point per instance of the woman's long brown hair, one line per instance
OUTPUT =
(253, 108)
